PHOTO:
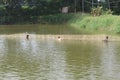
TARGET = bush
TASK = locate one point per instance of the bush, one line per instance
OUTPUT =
(96, 11)
(99, 11)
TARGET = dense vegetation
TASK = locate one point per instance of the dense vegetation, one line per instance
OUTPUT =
(31, 11)
(87, 15)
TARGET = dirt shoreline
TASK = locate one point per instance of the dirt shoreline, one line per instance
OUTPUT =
(66, 37)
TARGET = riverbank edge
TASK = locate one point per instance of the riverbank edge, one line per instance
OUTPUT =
(99, 37)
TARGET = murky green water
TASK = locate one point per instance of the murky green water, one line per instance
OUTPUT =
(50, 59)
(39, 29)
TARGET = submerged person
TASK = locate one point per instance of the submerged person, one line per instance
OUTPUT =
(59, 38)
(106, 39)
(27, 36)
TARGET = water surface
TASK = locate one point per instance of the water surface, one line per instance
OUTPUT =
(38, 29)
(50, 59)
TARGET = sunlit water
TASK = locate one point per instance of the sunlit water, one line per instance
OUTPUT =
(49, 59)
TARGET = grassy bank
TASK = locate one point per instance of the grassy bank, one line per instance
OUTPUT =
(85, 23)
(108, 24)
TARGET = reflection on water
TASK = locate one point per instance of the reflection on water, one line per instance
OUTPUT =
(108, 62)
(49, 59)
(2, 46)
(36, 59)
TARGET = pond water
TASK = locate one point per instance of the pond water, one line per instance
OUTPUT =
(39, 29)
(50, 59)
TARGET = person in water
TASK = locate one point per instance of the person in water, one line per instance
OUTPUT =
(59, 38)
(106, 39)
(27, 36)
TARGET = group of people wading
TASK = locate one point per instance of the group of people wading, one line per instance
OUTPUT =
(59, 38)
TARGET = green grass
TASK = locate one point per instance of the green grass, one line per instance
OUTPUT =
(109, 24)
(85, 23)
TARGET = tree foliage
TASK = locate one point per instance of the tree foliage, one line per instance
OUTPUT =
(20, 10)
